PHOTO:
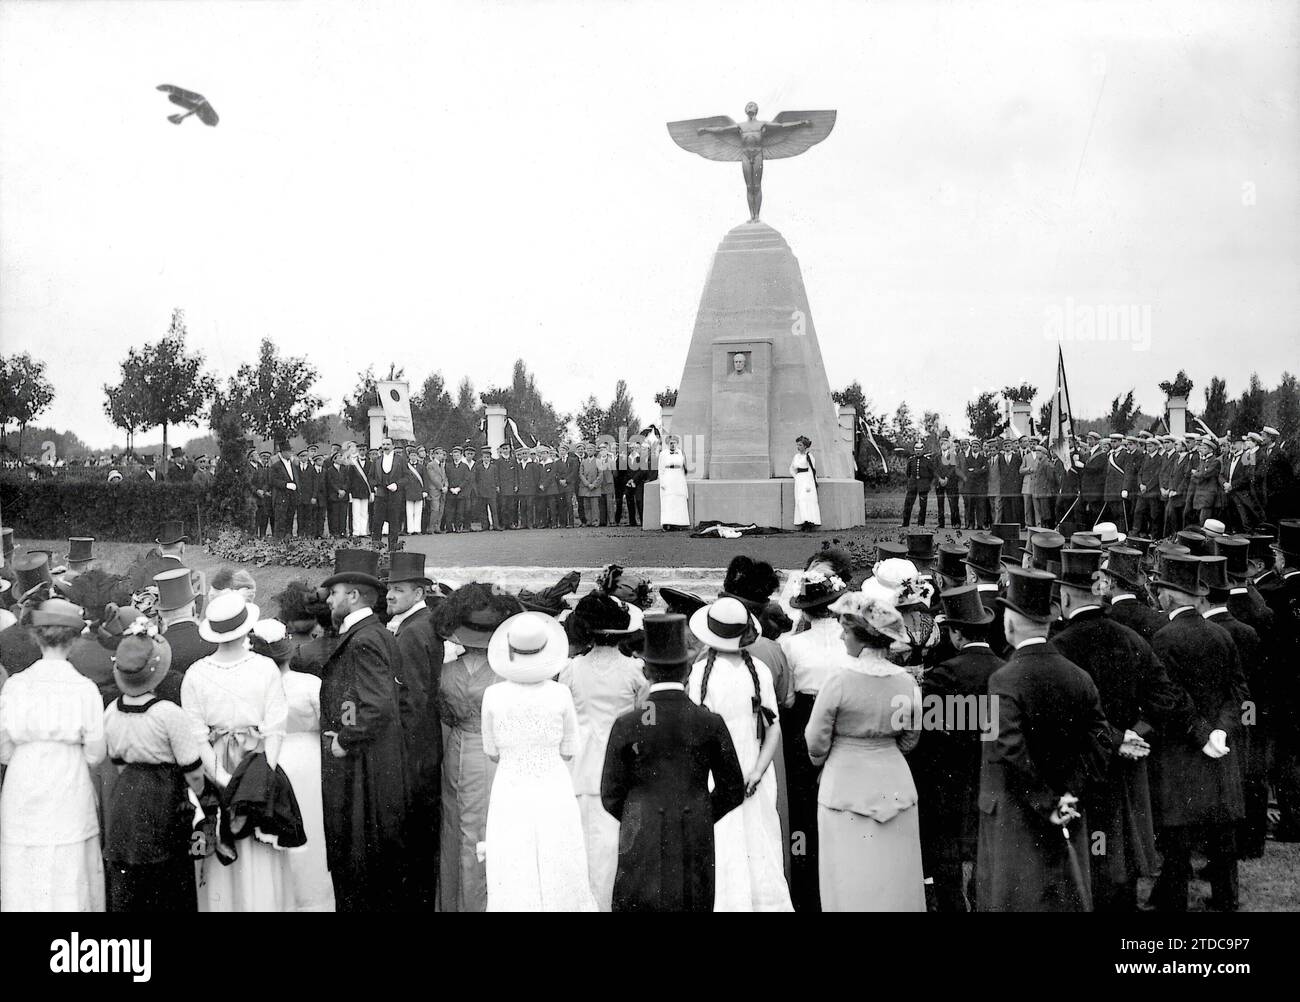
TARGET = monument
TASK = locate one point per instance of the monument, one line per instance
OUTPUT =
(754, 378)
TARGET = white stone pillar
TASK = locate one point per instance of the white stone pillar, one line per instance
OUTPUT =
(496, 426)
(376, 415)
(1177, 416)
(848, 421)
(1020, 412)
(665, 418)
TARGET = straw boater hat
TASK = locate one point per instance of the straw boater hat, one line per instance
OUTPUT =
(527, 648)
(228, 617)
(726, 625)
(142, 659)
(1108, 533)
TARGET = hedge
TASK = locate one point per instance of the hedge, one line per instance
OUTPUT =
(128, 511)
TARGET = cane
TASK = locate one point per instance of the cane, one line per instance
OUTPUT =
(1076, 871)
(1061, 522)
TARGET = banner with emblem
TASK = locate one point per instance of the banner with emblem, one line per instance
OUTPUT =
(394, 398)
(1061, 426)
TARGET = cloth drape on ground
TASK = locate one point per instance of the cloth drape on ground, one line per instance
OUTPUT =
(713, 529)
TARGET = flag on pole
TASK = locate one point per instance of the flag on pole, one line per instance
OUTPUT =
(871, 438)
(394, 399)
(1061, 428)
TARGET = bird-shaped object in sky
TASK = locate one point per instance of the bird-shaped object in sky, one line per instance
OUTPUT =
(195, 104)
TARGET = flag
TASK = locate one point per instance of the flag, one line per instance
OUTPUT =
(1061, 427)
(1205, 427)
(866, 433)
(395, 400)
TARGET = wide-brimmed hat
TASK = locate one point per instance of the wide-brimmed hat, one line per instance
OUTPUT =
(141, 660)
(271, 639)
(407, 568)
(229, 616)
(528, 647)
(1079, 567)
(951, 561)
(878, 614)
(175, 588)
(683, 603)
(985, 553)
(171, 532)
(57, 612)
(899, 583)
(964, 607)
(665, 639)
(1029, 592)
(725, 625)
(355, 567)
(1108, 533)
(1124, 565)
(80, 549)
(478, 611)
(1181, 573)
(597, 613)
(1236, 549)
(816, 589)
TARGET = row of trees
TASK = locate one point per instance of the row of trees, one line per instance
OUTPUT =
(25, 393)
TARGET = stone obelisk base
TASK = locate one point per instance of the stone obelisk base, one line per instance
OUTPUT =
(763, 502)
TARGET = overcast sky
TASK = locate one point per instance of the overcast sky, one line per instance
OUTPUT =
(455, 185)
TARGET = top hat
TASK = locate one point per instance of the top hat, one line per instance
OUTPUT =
(1085, 541)
(920, 546)
(57, 612)
(171, 532)
(141, 662)
(1045, 546)
(665, 639)
(7, 535)
(175, 588)
(527, 648)
(1181, 572)
(1124, 565)
(79, 549)
(1288, 536)
(1194, 540)
(985, 553)
(678, 602)
(1139, 543)
(1214, 574)
(964, 607)
(355, 567)
(1078, 567)
(1237, 551)
(1261, 546)
(405, 567)
(30, 571)
(1009, 533)
(817, 589)
(950, 561)
(887, 550)
(726, 625)
(1029, 592)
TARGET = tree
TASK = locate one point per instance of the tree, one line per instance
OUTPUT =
(1044, 416)
(24, 392)
(232, 500)
(1024, 393)
(1122, 414)
(461, 420)
(1249, 413)
(589, 419)
(356, 407)
(123, 405)
(430, 408)
(170, 382)
(1216, 415)
(985, 416)
(534, 415)
(274, 400)
(620, 414)
(1288, 413)
(902, 429)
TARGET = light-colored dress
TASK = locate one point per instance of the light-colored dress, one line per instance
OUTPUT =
(806, 509)
(605, 684)
(51, 733)
(672, 489)
(536, 860)
(235, 708)
(750, 871)
(310, 888)
(466, 782)
(869, 837)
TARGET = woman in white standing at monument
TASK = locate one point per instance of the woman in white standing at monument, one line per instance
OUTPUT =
(730, 681)
(804, 470)
(672, 487)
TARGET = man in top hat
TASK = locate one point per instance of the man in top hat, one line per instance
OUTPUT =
(485, 489)
(946, 762)
(386, 475)
(85, 584)
(1197, 795)
(363, 775)
(1120, 583)
(656, 783)
(421, 650)
(920, 474)
(31, 586)
(148, 475)
(168, 555)
(1052, 748)
(459, 487)
(1280, 588)
(1136, 695)
(507, 476)
(176, 607)
(282, 477)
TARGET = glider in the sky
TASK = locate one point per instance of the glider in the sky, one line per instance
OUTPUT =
(195, 104)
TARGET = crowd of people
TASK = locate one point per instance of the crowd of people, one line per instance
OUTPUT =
(1021, 721)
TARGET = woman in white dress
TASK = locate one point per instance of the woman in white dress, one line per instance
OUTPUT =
(804, 470)
(536, 860)
(673, 514)
(310, 888)
(51, 733)
(605, 684)
(730, 681)
(236, 704)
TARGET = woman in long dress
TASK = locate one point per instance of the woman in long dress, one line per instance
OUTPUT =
(673, 512)
(605, 684)
(236, 704)
(864, 719)
(156, 761)
(51, 733)
(468, 616)
(750, 872)
(309, 887)
(803, 468)
(536, 860)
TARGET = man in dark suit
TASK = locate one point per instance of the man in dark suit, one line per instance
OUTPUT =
(282, 476)
(530, 478)
(306, 493)
(363, 772)
(176, 607)
(1207, 474)
(567, 471)
(421, 649)
(261, 489)
(1241, 515)
(1052, 748)
(920, 474)
(319, 496)
(976, 483)
(149, 474)
(1121, 584)
(386, 475)
(483, 488)
(507, 471)
(548, 489)
(1198, 795)
(1010, 484)
(1173, 477)
(459, 488)
(1149, 519)
(337, 496)
(1280, 589)
(1136, 696)
(1092, 481)
(656, 784)
(947, 760)
(637, 459)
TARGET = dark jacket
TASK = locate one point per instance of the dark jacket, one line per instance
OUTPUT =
(1138, 617)
(265, 800)
(530, 477)
(484, 483)
(919, 471)
(337, 484)
(187, 646)
(381, 481)
(656, 784)
(1010, 481)
(422, 654)
(1093, 475)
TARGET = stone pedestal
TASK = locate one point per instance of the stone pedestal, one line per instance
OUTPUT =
(376, 415)
(665, 419)
(496, 426)
(1177, 416)
(1020, 412)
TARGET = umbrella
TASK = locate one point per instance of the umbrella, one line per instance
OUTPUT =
(194, 104)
